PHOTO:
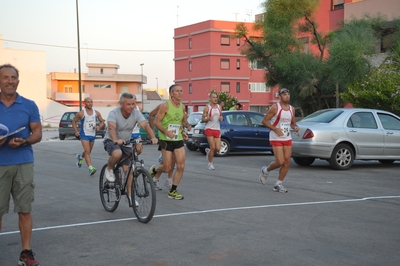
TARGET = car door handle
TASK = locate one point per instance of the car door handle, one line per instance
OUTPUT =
(352, 130)
(257, 131)
(389, 133)
(231, 129)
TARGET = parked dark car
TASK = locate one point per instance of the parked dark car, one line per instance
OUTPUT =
(240, 131)
(342, 135)
(193, 119)
(143, 133)
(65, 126)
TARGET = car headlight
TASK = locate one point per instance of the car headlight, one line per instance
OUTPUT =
(196, 131)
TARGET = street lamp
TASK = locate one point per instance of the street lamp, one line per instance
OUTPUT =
(157, 84)
(79, 58)
(141, 65)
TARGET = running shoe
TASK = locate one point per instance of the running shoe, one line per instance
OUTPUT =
(129, 199)
(175, 195)
(168, 183)
(210, 166)
(27, 258)
(110, 176)
(263, 175)
(157, 185)
(80, 161)
(92, 170)
(151, 171)
(280, 188)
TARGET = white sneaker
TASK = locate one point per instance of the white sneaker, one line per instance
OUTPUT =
(280, 188)
(130, 200)
(210, 166)
(110, 176)
(157, 185)
(263, 175)
(168, 183)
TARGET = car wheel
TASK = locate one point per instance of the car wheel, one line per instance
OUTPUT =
(342, 157)
(303, 161)
(386, 161)
(191, 147)
(203, 150)
(61, 137)
(225, 148)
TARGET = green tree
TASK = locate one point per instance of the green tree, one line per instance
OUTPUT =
(379, 89)
(226, 98)
(311, 76)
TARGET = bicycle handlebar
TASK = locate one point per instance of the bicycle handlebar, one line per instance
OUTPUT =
(144, 141)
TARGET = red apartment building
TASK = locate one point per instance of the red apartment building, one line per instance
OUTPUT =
(206, 58)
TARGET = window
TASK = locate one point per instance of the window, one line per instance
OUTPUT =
(190, 66)
(362, 120)
(256, 120)
(256, 65)
(102, 86)
(190, 43)
(68, 88)
(190, 88)
(237, 87)
(225, 86)
(305, 42)
(101, 71)
(258, 87)
(389, 122)
(225, 40)
(237, 120)
(337, 4)
(225, 63)
(237, 64)
(237, 42)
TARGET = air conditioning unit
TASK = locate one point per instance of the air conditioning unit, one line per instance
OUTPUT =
(276, 94)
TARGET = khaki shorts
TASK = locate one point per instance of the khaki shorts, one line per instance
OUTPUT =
(16, 180)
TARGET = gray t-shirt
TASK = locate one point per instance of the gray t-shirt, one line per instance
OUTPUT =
(124, 125)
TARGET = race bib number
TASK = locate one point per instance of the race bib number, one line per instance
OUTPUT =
(174, 128)
(286, 129)
(90, 125)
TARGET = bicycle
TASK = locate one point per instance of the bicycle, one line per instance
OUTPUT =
(143, 193)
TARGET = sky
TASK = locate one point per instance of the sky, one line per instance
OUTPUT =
(123, 32)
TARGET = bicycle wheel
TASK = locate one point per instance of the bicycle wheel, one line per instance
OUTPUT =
(143, 196)
(109, 193)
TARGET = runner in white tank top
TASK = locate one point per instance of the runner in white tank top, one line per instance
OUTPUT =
(279, 119)
(212, 115)
(87, 132)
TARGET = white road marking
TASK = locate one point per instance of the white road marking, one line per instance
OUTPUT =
(208, 211)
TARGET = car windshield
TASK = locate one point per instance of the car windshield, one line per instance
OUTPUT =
(194, 118)
(323, 116)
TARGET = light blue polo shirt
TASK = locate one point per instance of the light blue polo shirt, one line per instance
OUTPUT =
(20, 114)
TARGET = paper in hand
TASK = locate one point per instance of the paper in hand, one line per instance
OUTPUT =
(10, 133)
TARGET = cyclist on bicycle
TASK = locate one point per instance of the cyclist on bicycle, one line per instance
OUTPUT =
(121, 122)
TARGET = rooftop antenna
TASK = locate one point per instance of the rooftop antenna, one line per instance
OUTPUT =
(177, 16)
(249, 13)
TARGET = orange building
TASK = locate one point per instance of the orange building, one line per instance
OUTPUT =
(102, 83)
(206, 58)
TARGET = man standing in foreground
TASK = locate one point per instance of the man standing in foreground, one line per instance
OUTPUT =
(170, 121)
(87, 132)
(212, 115)
(279, 119)
(16, 156)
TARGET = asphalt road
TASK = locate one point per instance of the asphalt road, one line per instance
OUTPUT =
(227, 217)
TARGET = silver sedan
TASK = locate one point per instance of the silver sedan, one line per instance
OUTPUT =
(343, 135)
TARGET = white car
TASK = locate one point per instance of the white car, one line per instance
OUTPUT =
(343, 135)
